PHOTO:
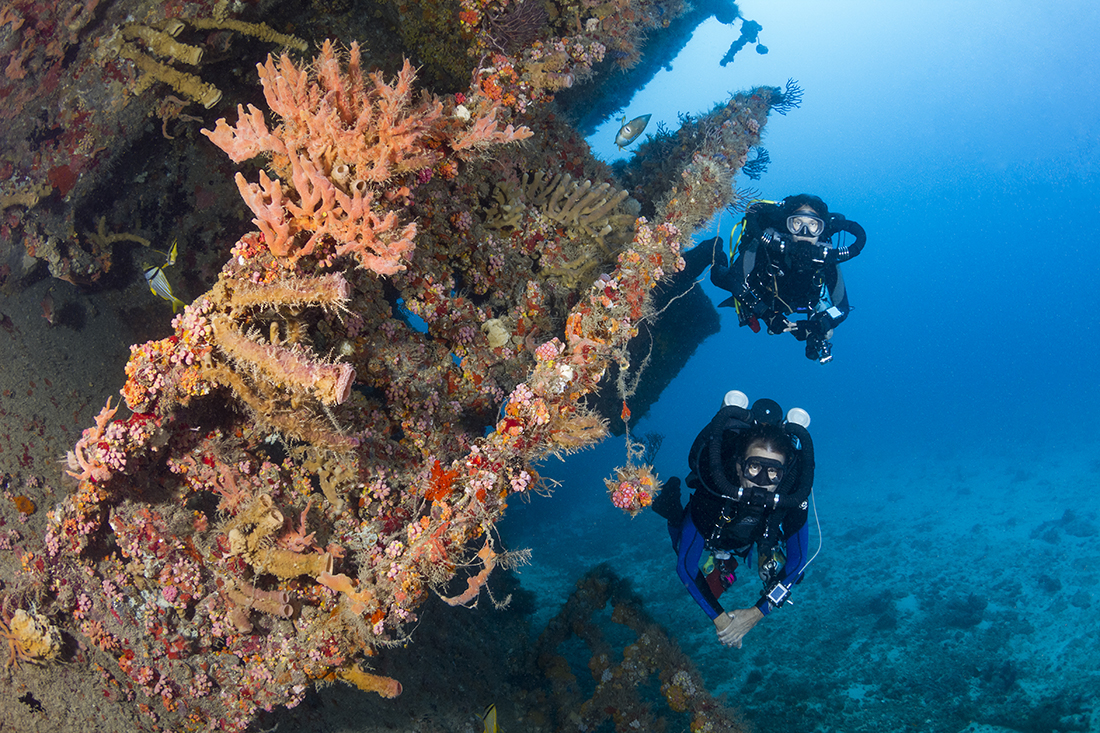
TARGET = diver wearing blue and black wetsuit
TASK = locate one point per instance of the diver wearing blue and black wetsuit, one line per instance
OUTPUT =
(752, 480)
(690, 545)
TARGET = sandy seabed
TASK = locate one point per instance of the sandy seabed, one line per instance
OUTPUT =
(952, 593)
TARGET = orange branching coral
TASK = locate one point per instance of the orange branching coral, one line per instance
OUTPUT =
(86, 455)
(323, 210)
(485, 132)
(345, 142)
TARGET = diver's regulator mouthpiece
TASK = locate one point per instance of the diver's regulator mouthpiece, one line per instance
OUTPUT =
(766, 408)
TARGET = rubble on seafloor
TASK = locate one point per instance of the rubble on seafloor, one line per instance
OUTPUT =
(436, 284)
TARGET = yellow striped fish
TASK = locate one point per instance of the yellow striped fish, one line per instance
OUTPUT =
(490, 719)
(170, 255)
(158, 283)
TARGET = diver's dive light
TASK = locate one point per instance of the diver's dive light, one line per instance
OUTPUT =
(735, 398)
(798, 416)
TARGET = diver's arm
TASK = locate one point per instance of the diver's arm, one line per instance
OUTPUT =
(838, 291)
(703, 255)
(730, 627)
(736, 279)
(727, 275)
(797, 556)
(821, 323)
(687, 567)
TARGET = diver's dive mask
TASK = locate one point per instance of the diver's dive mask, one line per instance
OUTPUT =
(805, 225)
(763, 471)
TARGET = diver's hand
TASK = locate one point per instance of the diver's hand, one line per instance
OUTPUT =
(817, 327)
(808, 257)
(732, 627)
(774, 241)
(722, 623)
(778, 323)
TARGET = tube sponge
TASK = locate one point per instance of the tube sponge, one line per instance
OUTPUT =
(384, 686)
(286, 564)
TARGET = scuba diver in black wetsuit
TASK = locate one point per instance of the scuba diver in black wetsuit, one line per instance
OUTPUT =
(783, 267)
(752, 473)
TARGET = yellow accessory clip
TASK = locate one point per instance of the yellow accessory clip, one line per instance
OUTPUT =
(739, 227)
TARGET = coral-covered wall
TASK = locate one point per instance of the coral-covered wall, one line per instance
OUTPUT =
(435, 284)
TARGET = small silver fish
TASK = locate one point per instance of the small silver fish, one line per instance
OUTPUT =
(630, 131)
(48, 311)
(158, 283)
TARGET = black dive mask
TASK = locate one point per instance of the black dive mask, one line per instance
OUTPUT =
(805, 225)
(762, 471)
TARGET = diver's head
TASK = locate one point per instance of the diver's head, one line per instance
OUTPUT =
(767, 454)
(807, 216)
(805, 225)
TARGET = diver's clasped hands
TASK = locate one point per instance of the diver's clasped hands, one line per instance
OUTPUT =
(816, 329)
(732, 626)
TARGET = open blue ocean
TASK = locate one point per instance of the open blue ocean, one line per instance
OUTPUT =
(958, 582)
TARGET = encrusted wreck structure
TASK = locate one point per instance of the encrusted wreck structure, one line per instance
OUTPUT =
(437, 282)
(623, 672)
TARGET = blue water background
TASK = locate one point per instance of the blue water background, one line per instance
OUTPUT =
(965, 138)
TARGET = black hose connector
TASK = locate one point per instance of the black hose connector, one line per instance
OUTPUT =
(840, 224)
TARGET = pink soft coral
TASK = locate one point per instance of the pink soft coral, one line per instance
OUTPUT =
(296, 540)
(87, 453)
